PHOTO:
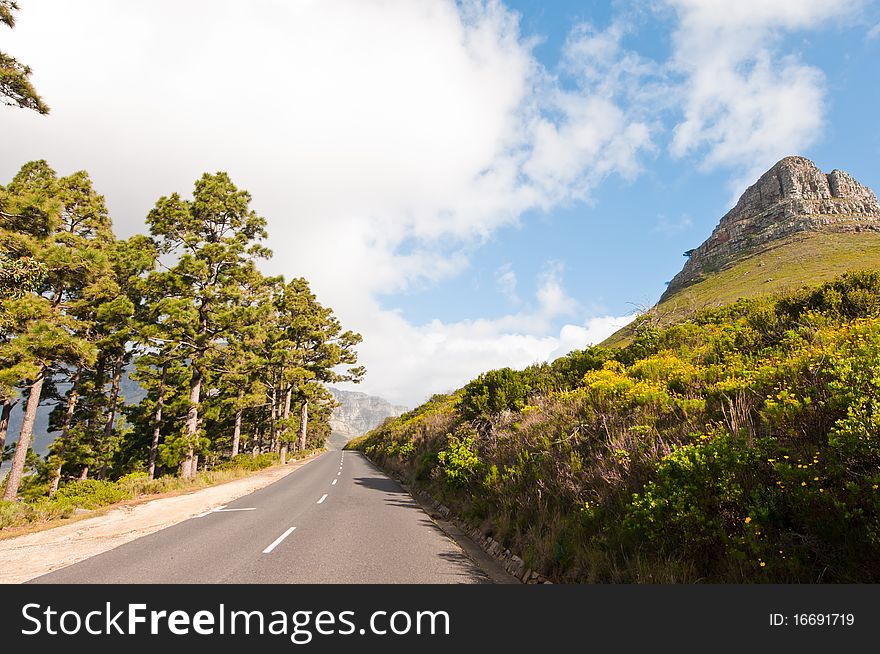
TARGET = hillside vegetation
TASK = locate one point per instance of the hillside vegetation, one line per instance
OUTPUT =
(740, 445)
(782, 268)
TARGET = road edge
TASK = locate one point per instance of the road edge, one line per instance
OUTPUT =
(478, 556)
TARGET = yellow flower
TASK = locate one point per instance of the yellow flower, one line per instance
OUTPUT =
(763, 564)
(803, 483)
(748, 520)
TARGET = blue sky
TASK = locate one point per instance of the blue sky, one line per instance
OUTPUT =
(620, 248)
(468, 184)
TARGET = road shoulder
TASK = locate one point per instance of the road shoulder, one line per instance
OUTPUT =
(32, 555)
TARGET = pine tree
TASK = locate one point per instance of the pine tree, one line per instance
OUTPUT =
(66, 224)
(318, 346)
(16, 89)
(215, 237)
(163, 375)
(242, 364)
(109, 316)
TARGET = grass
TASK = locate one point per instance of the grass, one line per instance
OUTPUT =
(805, 259)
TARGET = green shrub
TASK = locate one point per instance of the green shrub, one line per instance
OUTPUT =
(90, 493)
(700, 497)
(493, 392)
(249, 462)
(13, 514)
(740, 445)
(459, 462)
(17, 514)
(139, 483)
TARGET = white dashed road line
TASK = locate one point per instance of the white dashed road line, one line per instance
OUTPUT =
(334, 482)
(323, 497)
(202, 515)
(223, 509)
(278, 540)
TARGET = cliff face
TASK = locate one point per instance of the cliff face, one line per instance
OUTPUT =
(358, 413)
(793, 196)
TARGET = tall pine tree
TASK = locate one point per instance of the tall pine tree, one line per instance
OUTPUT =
(215, 239)
(66, 223)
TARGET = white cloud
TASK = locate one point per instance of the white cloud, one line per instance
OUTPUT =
(666, 226)
(598, 60)
(383, 139)
(505, 278)
(746, 105)
(552, 297)
(599, 127)
(592, 332)
(874, 32)
(414, 361)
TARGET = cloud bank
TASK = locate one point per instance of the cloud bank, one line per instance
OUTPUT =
(386, 140)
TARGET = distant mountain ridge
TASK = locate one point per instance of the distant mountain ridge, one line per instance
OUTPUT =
(357, 414)
(129, 390)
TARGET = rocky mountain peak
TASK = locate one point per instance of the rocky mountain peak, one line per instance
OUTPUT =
(793, 196)
(798, 178)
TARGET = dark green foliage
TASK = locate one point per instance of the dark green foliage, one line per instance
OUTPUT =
(90, 494)
(248, 462)
(229, 360)
(493, 392)
(568, 371)
(20, 276)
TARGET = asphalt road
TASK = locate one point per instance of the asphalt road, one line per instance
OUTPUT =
(336, 520)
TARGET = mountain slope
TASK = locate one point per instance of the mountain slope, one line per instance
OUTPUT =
(795, 226)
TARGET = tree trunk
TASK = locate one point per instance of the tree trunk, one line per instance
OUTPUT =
(273, 417)
(84, 474)
(236, 432)
(111, 413)
(284, 439)
(157, 427)
(4, 421)
(257, 443)
(24, 438)
(56, 476)
(99, 383)
(72, 397)
(192, 421)
(303, 424)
